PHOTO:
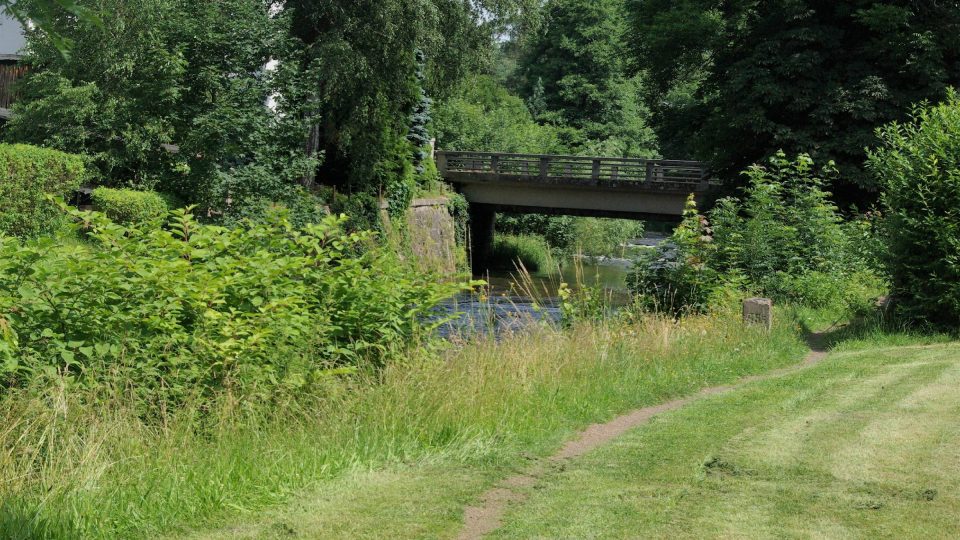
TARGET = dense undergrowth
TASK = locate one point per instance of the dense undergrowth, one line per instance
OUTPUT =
(165, 313)
(782, 238)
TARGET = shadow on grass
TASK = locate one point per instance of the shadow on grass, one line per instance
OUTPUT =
(878, 326)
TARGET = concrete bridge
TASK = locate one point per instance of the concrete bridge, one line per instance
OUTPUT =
(642, 189)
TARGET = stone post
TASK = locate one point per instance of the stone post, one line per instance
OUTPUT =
(758, 311)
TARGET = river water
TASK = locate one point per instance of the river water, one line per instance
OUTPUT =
(513, 301)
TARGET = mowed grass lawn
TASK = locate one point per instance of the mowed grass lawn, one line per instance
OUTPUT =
(865, 445)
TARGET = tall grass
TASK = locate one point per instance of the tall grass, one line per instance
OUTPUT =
(530, 251)
(76, 465)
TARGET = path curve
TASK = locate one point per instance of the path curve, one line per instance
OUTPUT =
(487, 516)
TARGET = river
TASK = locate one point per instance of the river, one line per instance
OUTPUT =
(512, 301)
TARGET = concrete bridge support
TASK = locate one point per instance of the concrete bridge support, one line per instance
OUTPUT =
(483, 220)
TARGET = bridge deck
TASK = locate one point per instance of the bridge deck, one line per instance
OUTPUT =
(645, 174)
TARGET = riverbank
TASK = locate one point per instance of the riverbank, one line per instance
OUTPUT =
(472, 412)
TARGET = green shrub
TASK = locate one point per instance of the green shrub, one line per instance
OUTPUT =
(531, 251)
(596, 237)
(677, 276)
(783, 239)
(27, 175)
(194, 311)
(130, 206)
(558, 231)
(784, 224)
(918, 167)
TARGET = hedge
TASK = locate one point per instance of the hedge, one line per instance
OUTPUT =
(27, 175)
(130, 206)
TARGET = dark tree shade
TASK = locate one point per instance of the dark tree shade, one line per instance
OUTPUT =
(734, 81)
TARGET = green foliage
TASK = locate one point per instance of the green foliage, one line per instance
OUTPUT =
(596, 237)
(27, 175)
(918, 166)
(783, 239)
(483, 116)
(460, 212)
(39, 12)
(735, 81)
(569, 236)
(361, 209)
(195, 311)
(420, 118)
(574, 72)
(130, 206)
(360, 82)
(167, 95)
(428, 179)
(395, 176)
(558, 231)
(785, 226)
(678, 277)
(511, 251)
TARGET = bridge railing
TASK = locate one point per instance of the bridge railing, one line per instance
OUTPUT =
(662, 173)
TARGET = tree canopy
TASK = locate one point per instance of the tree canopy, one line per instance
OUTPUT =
(165, 94)
(735, 81)
(574, 72)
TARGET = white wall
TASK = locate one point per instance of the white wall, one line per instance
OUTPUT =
(11, 35)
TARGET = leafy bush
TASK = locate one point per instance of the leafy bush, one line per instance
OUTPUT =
(597, 237)
(567, 235)
(918, 166)
(784, 228)
(784, 239)
(130, 206)
(677, 277)
(27, 175)
(197, 311)
(558, 231)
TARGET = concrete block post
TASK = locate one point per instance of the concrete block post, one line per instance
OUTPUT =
(758, 311)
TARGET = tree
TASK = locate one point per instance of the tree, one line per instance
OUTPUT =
(40, 12)
(574, 74)
(420, 117)
(483, 116)
(359, 65)
(742, 79)
(164, 94)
